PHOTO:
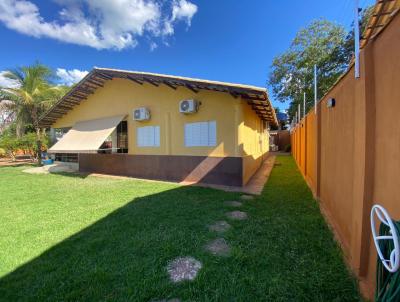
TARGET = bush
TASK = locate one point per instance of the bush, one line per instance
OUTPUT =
(27, 143)
(287, 148)
(2, 152)
(9, 144)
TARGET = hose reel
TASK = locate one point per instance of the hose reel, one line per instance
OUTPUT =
(388, 249)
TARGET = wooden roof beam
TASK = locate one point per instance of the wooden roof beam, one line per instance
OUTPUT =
(75, 98)
(190, 87)
(170, 85)
(64, 106)
(81, 89)
(104, 76)
(134, 80)
(72, 102)
(59, 111)
(235, 95)
(150, 82)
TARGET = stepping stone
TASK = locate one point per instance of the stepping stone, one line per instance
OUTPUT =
(219, 226)
(237, 215)
(233, 203)
(247, 197)
(183, 268)
(168, 300)
(219, 247)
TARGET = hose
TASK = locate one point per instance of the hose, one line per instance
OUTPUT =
(387, 283)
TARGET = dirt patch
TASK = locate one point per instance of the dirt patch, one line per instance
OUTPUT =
(237, 215)
(219, 226)
(183, 268)
(247, 197)
(233, 203)
(219, 247)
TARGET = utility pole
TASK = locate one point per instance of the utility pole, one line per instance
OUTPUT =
(304, 104)
(356, 40)
(315, 88)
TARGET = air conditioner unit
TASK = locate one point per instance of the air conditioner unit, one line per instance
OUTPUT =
(188, 106)
(141, 114)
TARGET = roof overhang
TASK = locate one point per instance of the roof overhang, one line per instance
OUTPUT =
(256, 97)
(383, 13)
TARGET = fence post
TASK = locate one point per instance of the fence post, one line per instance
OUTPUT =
(364, 162)
(305, 145)
(318, 119)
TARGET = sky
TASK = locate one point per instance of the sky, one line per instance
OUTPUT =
(224, 40)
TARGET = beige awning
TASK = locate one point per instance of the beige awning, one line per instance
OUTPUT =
(86, 136)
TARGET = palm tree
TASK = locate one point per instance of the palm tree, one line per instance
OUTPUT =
(32, 95)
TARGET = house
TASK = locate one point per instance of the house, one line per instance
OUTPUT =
(164, 127)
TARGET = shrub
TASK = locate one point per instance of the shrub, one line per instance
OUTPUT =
(10, 145)
(2, 152)
(27, 143)
(287, 148)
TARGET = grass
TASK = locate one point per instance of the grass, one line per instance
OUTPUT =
(70, 238)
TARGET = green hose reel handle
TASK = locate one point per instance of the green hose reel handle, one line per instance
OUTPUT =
(393, 262)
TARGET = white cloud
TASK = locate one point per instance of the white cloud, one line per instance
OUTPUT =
(70, 77)
(181, 10)
(101, 24)
(6, 82)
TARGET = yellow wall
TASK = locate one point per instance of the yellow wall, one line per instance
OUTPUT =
(120, 96)
(253, 140)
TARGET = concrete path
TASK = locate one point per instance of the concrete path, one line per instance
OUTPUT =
(255, 184)
(260, 178)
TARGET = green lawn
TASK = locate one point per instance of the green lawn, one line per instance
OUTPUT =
(70, 238)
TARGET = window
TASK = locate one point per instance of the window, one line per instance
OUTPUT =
(66, 157)
(122, 137)
(202, 134)
(148, 136)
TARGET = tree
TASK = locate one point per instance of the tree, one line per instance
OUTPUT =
(321, 43)
(33, 95)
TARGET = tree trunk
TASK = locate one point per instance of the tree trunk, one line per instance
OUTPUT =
(39, 146)
(20, 129)
(35, 119)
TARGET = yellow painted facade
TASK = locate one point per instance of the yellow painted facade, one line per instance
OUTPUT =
(253, 141)
(240, 131)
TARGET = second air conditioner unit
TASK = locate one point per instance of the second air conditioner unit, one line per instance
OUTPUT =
(188, 106)
(141, 114)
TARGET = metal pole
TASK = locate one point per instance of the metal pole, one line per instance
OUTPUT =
(304, 104)
(356, 40)
(315, 88)
(299, 109)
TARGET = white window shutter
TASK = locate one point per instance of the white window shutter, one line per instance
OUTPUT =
(212, 133)
(157, 136)
(201, 134)
(148, 136)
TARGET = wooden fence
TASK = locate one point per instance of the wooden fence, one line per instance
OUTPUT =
(349, 154)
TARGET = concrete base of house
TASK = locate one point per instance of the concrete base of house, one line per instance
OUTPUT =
(227, 171)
